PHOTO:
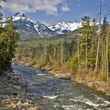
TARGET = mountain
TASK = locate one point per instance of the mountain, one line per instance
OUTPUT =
(64, 27)
(24, 26)
(44, 30)
(30, 29)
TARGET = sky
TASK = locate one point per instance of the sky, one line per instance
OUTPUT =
(52, 11)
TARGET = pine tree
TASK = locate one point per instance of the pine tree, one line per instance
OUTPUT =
(85, 44)
(8, 38)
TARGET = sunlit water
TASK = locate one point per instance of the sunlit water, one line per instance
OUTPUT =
(59, 94)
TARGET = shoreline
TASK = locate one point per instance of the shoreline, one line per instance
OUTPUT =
(98, 86)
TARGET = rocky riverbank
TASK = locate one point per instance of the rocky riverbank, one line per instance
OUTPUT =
(17, 104)
(12, 93)
(94, 82)
(89, 80)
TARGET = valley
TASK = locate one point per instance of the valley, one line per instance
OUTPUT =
(54, 55)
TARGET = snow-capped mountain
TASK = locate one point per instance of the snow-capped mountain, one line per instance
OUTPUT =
(44, 30)
(24, 26)
(29, 28)
(63, 27)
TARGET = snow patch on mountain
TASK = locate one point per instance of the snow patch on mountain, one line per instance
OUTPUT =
(65, 26)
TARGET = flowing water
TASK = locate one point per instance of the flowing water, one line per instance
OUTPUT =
(59, 94)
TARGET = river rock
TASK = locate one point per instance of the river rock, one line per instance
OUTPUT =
(66, 76)
(18, 104)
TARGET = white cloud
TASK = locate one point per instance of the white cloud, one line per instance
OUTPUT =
(48, 6)
(65, 8)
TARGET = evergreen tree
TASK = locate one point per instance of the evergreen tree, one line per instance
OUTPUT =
(8, 38)
(86, 42)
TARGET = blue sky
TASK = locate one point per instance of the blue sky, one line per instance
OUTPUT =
(51, 11)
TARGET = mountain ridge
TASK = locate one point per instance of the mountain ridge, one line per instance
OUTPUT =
(31, 29)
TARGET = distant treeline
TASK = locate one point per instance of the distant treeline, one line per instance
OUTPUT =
(46, 51)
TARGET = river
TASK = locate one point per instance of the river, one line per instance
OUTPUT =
(58, 94)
